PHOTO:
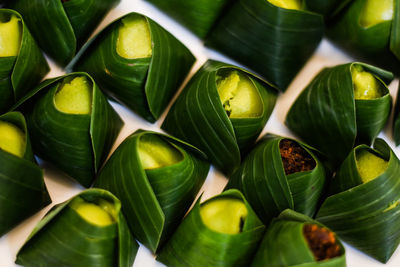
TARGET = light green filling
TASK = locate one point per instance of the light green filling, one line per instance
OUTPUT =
(239, 96)
(288, 4)
(12, 139)
(376, 11)
(101, 214)
(370, 165)
(155, 153)
(134, 39)
(224, 215)
(10, 37)
(366, 86)
(75, 97)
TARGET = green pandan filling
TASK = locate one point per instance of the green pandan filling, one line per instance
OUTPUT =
(155, 153)
(100, 214)
(12, 139)
(238, 95)
(134, 39)
(224, 215)
(370, 165)
(75, 97)
(10, 37)
(366, 86)
(288, 4)
(376, 11)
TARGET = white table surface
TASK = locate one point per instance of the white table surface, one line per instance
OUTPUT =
(62, 188)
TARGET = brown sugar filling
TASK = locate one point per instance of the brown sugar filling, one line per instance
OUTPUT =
(294, 157)
(321, 241)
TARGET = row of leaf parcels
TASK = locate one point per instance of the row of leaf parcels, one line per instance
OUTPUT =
(138, 63)
(22, 65)
(19, 174)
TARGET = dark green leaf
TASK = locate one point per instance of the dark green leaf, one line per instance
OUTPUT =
(154, 201)
(270, 40)
(329, 8)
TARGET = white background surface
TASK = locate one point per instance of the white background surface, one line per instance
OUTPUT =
(61, 187)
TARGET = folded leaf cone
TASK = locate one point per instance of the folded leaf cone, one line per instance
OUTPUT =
(22, 188)
(157, 178)
(22, 69)
(364, 210)
(205, 237)
(280, 173)
(144, 82)
(396, 120)
(86, 230)
(197, 16)
(207, 114)
(293, 239)
(72, 125)
(369, 30)
(327, 115)
(62, 27)
(272, 41)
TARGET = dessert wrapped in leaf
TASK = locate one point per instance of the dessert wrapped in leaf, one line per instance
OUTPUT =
(22, 188)
(61, 27)
(157, 178)
(138, 63)
(363, 207)
(222, 231)
(71, 124)
(274, 38)
(295, 240)
(197, 16)
(396, 120)
(342, 106)
(86, 230)
(221, 111)
(22, 65)
(370, 30)
(278, 174)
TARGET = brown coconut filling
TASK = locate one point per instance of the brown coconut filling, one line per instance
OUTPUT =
(321, 241)
(294, 157)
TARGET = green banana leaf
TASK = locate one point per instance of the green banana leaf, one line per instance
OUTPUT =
(378, 44)
(197, 16)
(20, 73)
(284, 244)
(396, 120)
(154, 200)
(327, 117)
(366, 215)
(328, 8)
(264, 183)
(145, 85)
(76, 144)
(199, 118)
(272, 41)
(194, 244)
(62, 27)
(22, 188)
(64, 238)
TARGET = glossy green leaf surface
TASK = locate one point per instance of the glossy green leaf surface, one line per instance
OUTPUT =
(327, 116)
(64, 238)
(61, 28)
(272, 41)
(377, 44)
(21, 73)
(329, 8)
(145, 85)
(154, 200)
(76, 144)
(22, 188)
(199, 118)
(366, 215)
(284, 244)
(194, 244)
(197, 16)
(262, 179)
